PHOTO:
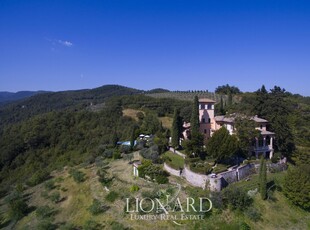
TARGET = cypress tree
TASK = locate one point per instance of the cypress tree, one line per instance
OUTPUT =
(230, 99)
(132, 138)
(114, 139)
(195, 118)
(263, 179)
(222, 106)
(176, 130)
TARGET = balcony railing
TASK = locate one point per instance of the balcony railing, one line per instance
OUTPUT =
(262, 148)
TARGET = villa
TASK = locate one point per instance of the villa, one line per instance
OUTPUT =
(209, 123)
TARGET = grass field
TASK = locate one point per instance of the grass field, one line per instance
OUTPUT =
(276, 213)
(174, 160)
(132, 113)
(166, 122)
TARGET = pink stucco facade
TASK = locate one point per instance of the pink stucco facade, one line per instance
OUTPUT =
(206, 116)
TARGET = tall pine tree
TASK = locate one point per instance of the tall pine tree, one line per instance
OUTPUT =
(176, 129)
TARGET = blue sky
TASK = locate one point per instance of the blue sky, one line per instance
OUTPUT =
(145, 44)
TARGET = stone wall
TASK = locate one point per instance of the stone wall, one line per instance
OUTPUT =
(171, 170)
(228, 177)
(195, 179)
(245, 170)
(215, 182)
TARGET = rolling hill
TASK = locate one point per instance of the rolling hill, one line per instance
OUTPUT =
(6, 97)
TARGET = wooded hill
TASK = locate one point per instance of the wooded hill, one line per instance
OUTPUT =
(48, 131)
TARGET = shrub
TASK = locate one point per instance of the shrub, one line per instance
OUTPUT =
(253, 214)
(236, 198)
(244, 226)
(276, 157)
(44, 194)
(55, 197)
(112, 196)
(46, 224)
(37, 178)
(217, 201)
(108, 153)
(103, 179)
(17, 208)
(67, 226)
(161, 179)
(77, 175)
(150, 153)
(91, 225)
(153, 171)
(116, 155)
(125, 149)
(134, 188)
(44, 211)
(151, 194)
(96, 207)
(49, 185)
(117, 226)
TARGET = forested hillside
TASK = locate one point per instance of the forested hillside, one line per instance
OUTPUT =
(54, 133)
(59, 129)
(6, 97)
(51, 130)
(57, 101)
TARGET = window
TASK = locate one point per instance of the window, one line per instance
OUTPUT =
(261, 126)
(209, 120)
(202, 106)
(203, 120)
(205, 131)
(209, 106)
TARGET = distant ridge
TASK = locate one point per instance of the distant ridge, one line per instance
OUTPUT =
(15, 111)
(6, 97)
(158, 90)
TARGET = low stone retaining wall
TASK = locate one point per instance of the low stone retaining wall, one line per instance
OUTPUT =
(195, 179)
(171, 170)
(214, 182)
(245, 170)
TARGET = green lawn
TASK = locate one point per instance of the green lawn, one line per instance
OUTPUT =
(173, 160)
(220, 168)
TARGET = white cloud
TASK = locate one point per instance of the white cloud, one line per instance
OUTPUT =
(65, 43)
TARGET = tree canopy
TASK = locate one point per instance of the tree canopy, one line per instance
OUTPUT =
(297, 186)
(246, 132)
(227, 89)
(222, 145)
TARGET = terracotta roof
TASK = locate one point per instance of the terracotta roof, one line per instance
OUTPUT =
(206, 100)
